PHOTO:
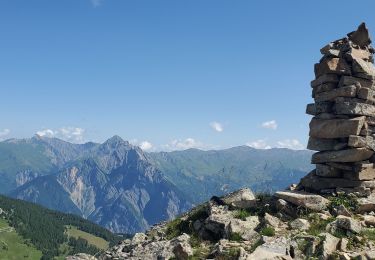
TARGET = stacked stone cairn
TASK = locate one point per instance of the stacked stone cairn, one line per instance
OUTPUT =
(342, 129)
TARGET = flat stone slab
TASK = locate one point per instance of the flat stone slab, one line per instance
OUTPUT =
(319, 108)
(320, 144)
(324, 79)
(336, 128)
(308, 200)
(316, 183)
(349, 91)
(354, 108)
(348, 155)
(348, 80)
(361, 141)
(324, 170)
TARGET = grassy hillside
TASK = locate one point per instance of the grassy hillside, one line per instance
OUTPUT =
(44, 231)
(13, 246)
(96, 241)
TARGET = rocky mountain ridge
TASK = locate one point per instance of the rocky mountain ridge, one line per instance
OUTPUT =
(105, 182)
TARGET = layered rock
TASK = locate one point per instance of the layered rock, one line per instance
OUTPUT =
(342, 128)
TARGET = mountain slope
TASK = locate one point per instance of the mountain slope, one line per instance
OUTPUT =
(201, 174)
(122, 188)
(22, 160)
(115, 185)
(45, 230)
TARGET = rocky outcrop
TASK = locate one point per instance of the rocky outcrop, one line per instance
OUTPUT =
(342, 128)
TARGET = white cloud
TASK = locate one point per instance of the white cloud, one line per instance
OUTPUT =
(218, 127)
(259, 144)
(96, 3)
(70, 134)
(270, 124)
(146, 146)
(183, 145)
(291, 144)
(46, 133)
(4, 133)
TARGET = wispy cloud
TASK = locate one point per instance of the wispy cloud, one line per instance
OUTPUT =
(96, 3)
(270, 124)
(70, 134)
(259, 144)
(183, 144)
(290, 144)
(4, 133)
(146, 146)
(216, 126)
(293, 144)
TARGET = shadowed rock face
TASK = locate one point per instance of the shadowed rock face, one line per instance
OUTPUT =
(113, 185)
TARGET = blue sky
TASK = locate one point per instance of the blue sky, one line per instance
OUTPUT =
(177, 74)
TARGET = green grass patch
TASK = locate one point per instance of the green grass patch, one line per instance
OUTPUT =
(13, 246)
(348, 201)
(369, 233)
(317, 225)
(91, 239)
(177, 227)
(241, 214)
(235, 237)
(267, 231)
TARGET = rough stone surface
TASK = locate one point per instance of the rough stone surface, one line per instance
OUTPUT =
(348, 155)
(307, 200)
(242, 199)
(354, 109)
(336, 128)
(348, 224)
(300, 224)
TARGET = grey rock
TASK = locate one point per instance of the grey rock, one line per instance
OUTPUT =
(299, 224)
(336, 128)
(354, 108)
(347, 155)
(329, 244)
(243, 199)
(349, 80)
(361, 36)
(348, 91)
(325, 78)
(304, 199)
(348, 224)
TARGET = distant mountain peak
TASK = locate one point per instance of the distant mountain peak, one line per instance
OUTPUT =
(116, 140)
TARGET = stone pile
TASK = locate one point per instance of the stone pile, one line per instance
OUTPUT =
(342, 129)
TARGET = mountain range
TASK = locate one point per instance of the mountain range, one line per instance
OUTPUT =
(126, 190)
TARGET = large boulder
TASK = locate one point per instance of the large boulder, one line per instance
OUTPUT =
(242, 199)
(244, 228)
(273, 248)
(328, 245)
(299, 224)
(307, 200)
(347, 224)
